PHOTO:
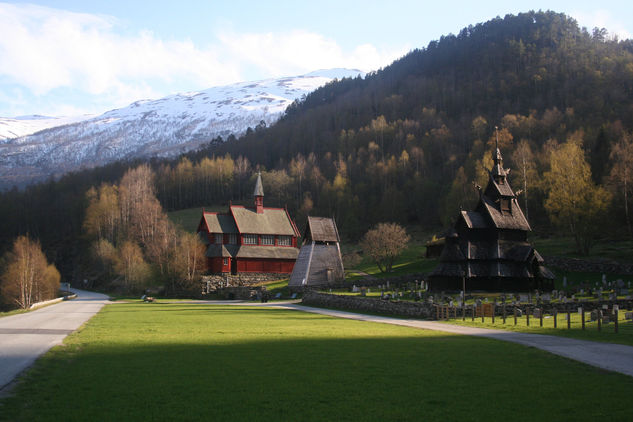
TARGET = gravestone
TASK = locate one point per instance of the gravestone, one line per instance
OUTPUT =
(354, 289)
(624, 291)
(546, 297)
(613, 296)
(536, 313)
(616, 307)
(523, 297)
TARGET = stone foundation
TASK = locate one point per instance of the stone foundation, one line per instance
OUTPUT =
(213, 282)
(387, 307)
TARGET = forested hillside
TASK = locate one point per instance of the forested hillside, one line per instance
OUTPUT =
(406, 143)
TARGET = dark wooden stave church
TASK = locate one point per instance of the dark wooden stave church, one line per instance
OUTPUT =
(489, 247)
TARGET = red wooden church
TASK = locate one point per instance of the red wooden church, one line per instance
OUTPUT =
(252, 240)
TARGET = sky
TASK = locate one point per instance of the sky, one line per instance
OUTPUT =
(72, 57)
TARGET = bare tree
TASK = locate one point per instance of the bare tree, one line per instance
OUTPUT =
(524, 160)
(622, 170)
(27, 277)
(384, 243)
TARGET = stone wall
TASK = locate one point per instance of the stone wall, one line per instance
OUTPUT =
(214, 282)
(387, 307)
(398, 281)
(592, 266)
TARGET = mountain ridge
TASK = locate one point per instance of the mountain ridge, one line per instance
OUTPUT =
(164, 127)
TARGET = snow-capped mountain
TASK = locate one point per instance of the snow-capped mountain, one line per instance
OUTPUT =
(147, 128)
(27, 125)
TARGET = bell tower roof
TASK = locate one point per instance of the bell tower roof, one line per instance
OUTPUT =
(259, 188)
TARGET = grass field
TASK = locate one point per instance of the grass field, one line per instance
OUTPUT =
(136, 362)
(620, 250)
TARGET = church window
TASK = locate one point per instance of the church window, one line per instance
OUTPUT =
(284, 240)
(250, 239)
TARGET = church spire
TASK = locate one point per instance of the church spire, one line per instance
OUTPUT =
(498, 172)
(259, 194)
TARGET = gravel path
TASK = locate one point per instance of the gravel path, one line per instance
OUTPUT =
(609, 356)
(25, 337)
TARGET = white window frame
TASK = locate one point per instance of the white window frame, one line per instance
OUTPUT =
(250, 239)
(268, 240)
(218, 238)
(284, 240)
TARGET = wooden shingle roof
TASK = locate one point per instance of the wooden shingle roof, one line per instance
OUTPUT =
(271, 221)
(515, 220)
(321, 229)
(219, 223)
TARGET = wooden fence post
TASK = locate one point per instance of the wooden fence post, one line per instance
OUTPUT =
(437, 311)
(568, 320)
(527, 315)
(540, 314)
(582, 317)
(504, 313)
(493, 313)
(474, 307)
(599, 320)
(555, 313)
(515, 315)
(616, 321)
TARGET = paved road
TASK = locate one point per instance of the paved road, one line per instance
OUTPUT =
(609, 356)
(24, 337)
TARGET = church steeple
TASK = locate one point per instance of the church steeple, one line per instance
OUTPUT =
(498, 173)
(259, 194)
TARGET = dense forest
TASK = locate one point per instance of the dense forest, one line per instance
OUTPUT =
(407, 143)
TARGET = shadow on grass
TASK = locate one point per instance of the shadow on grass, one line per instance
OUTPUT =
(323, 369)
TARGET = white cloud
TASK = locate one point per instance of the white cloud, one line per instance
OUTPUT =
(48, 52)
(302, 51)
(602, 19)
(43, 49)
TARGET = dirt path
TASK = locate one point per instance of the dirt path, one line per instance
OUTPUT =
(609, 356)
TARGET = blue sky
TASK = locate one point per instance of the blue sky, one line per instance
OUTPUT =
(72, 57)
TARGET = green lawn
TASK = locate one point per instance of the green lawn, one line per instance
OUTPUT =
(13, 312)
(189, 218)
(411, 260)
(618, 250)
(201, 362)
